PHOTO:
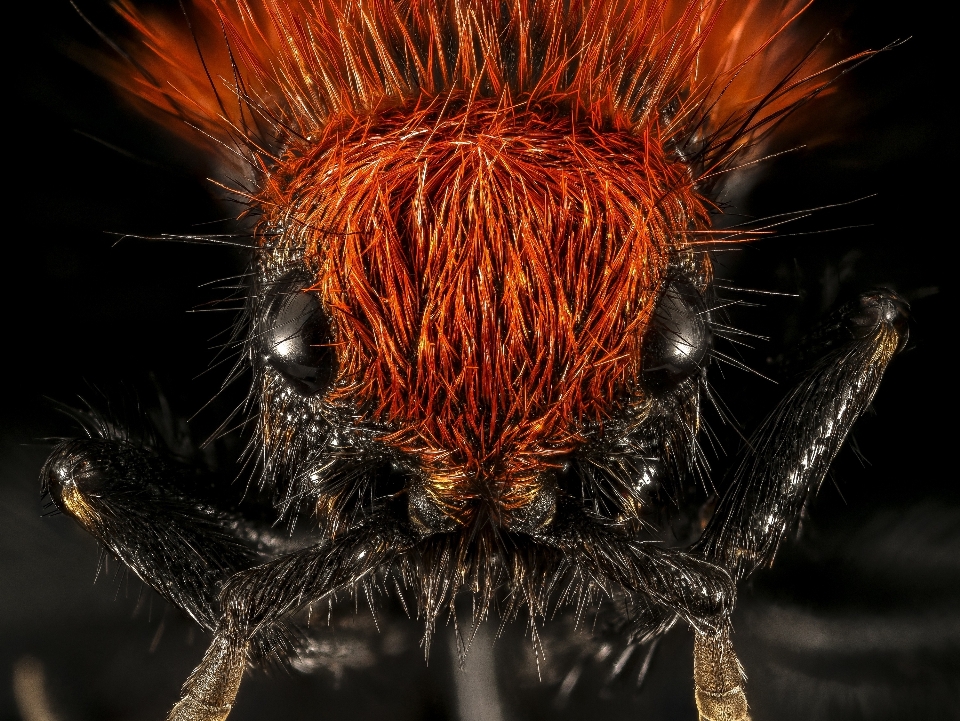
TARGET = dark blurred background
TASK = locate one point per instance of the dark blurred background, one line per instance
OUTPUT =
(860, 618)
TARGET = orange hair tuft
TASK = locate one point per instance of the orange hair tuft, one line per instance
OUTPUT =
(487, 194)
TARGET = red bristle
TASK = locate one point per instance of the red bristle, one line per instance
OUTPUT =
(487, 193)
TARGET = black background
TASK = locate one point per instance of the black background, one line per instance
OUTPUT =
(859, 618)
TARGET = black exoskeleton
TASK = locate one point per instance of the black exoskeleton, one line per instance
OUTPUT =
(208, 561)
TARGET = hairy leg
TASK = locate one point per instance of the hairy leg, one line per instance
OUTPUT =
(258, 598)
(667, 583)
(136, 504)
(680, 584)
(787, 460)
(789, 455)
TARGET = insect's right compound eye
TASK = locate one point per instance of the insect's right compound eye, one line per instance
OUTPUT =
(678, 339)
(297, 338)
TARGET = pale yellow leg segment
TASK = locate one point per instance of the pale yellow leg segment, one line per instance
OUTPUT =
(209, 693)
(718, 678)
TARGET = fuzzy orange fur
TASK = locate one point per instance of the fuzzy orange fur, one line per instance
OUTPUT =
(486, 193)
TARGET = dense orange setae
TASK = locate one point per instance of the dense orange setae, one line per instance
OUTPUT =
(490, 272)
(487, 194)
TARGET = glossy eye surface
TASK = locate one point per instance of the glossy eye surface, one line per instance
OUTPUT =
(679, 335)
(297, 338)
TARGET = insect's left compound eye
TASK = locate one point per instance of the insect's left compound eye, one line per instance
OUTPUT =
(296, 336)
(678, 338)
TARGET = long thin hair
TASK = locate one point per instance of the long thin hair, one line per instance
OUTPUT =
(487, 194)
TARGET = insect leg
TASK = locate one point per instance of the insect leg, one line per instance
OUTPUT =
(256, 599)
(671, 583)
(135, 504)
(699, 592)
(790, 453)
(718, 678)
(787, 460)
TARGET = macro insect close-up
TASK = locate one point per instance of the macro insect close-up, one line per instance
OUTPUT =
(549, 322)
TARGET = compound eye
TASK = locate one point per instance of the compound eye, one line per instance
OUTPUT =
(678, 338)
(297, 337)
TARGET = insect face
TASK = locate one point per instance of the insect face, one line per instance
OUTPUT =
(481, 316)
(487, 277)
